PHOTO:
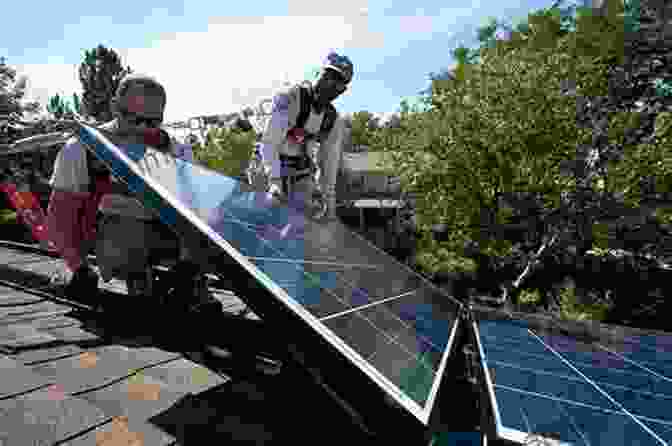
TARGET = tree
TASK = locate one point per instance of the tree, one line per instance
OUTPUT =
(488, 37)
(227, 150)
(479, 142)
(12, 92)
(59, 107)
(100, 74)
(364, 124)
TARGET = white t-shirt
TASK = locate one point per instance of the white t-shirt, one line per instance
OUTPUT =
(71, 174)
(286, 108)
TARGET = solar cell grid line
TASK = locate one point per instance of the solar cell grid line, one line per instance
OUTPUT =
(644, 395)
(624, 382)
(355, 291)
(404, 346)
(575, 425)
(343, 240)
(312, 262)
(636, 396)
(422, 349)
(599, 389)
(557, 403)
(649, 358)
(635, 363)
(368, 305)
(374, 276)
(305, 251)
(369, 357)
(358, 296)
(519, 398)
(424, 344)
(403, 324)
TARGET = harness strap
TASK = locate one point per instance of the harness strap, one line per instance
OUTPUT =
(295, 169)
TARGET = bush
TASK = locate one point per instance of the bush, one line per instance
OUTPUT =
(529, 297)
(7, 216)
(226, 151)
(443, 260)
(571, 309)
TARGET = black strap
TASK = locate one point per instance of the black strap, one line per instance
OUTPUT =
(96, 170)
(306, 103)
(328, 120)
(300, 162)
(289, 182)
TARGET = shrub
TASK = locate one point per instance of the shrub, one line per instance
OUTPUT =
(226, 151)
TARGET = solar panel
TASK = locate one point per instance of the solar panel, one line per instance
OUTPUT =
(385, 319)
(586, 393)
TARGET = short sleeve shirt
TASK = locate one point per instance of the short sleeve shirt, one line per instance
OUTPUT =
(70, 172)
(71, 175)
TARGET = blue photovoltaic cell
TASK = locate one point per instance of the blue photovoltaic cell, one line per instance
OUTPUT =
(383, 311)
(575, 423)
(652, 352)
(536, 390)
(644, 394)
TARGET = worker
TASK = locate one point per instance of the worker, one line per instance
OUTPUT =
(302, 116)
(129, 233)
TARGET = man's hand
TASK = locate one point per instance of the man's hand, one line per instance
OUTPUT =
(275, 189)
(328, 209)
(331, 207)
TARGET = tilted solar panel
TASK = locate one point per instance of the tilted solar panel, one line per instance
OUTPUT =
(586, 393)
(378, 315)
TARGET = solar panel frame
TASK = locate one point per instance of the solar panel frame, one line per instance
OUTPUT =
(219, 251)
(496, 426)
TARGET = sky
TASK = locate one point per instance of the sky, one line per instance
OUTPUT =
(217, 57)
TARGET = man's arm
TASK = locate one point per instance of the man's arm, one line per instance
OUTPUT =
(330, 159)
(69, 182)
(285, 109)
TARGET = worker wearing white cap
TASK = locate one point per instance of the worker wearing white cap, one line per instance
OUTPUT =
(301, 116)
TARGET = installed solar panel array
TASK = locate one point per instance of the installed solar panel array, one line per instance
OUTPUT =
(378, 313)
(588, 394)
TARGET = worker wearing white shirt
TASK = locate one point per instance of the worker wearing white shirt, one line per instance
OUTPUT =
(302, 116)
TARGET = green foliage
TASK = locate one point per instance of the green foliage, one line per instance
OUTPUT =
(12, 93)
(7, 216)
(433, 259)
(571, 309)
(631, 14)
(501, 125)
(364, 125)
(226, 151)
(59, 107)
(664, 216)
(600, 236)
(529, 297)
(653, 160)
(100, 74)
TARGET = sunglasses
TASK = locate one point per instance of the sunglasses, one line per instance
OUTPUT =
(336, 80)
(137, 120)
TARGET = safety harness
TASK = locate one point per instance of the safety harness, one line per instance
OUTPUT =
(302, 165)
